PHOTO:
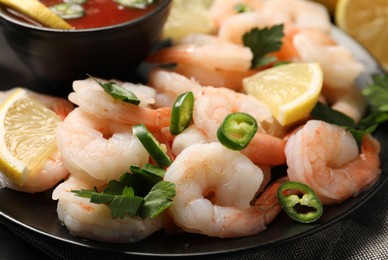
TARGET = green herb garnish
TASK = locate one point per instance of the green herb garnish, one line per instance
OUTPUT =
(139, 4)
(133, 195)
(262, 42)
(118, 92)
(157, 200)
(325, 113)
(242, 8)
(377, 95)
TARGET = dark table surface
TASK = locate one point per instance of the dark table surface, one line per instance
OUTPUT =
(361, 235)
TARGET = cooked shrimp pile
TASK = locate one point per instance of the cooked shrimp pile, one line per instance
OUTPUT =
(222, 60)
(219, 192)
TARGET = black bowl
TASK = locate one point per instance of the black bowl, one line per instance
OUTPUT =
(60, 56)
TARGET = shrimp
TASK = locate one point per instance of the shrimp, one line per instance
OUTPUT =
(216, 78)
(339, 66)
(93, 221)
(349, 101)
(224, 56)
(211, 107)
(169, 85)
(214, 193)
(191, 135)
(236, 26)
(326, 157)
(294, 14)
(209, 60)
(96, 149)
(299, 14)
(92, 98)
(221, 10)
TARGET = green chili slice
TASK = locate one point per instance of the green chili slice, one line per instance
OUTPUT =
(182, 113)
(151, 145)
(68, 10)
(118, 92)
(300, 202)
(237, 130)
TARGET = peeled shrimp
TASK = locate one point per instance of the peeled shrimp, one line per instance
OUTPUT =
(89, 220)
(97, 149)
(211, 107)
(209, 60)
(300, 14)
(169, 85)
(191, 135)
(213, 192)
(221, 10)
(225, 56)
(349, 101)
(92, 98)
(326, 157)
(237, 25)
(339, 66)
(215, 78)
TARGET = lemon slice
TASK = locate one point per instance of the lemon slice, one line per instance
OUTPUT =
(38, 12)
(291, 91)
(27, 136)
(187, 17)
(367, 22)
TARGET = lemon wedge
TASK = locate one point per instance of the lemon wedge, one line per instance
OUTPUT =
(367, 22)
(291, 91)
(38, 12)
(27, 136)
(187, 17)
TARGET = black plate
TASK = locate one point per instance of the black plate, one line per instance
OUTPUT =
(37, 213)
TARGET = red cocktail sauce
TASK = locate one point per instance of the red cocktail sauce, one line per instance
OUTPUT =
(102, 13)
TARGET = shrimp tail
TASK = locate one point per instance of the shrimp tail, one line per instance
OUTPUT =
(267, 204)
(266, 149)
(370, 150)
(172, 54)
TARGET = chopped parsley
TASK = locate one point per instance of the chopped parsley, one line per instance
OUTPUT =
(262, 42)
(377, 93)
(140, 193)
(377, 113)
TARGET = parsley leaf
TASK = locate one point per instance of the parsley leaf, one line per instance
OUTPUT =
(377, 95)
(158, 199)
(262, 42)
(325, 113)
(377, 92)
(140, 193)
